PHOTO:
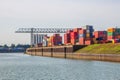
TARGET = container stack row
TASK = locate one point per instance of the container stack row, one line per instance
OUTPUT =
(111, 33)
(89, 34)
(114, 35)
(55, 40)
(80, 36)
(100, 37)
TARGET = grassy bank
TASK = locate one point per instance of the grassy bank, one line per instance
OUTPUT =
(101, 49)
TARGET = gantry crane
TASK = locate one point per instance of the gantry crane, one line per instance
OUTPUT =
(41, 30)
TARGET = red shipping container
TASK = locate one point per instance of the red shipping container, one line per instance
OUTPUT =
(66, 38)
(67, 35)
(66, 41)
(76, 29)
(88, 42)
(110, 37)
(56, 35)
(69, 31)
(82, 31)
(98, 34)
(73, 35)
(73, 41)
(81, 41)
(89, 39)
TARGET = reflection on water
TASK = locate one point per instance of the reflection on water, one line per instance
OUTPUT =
(25, 67)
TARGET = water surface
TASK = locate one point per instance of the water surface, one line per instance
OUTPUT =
(25, 67)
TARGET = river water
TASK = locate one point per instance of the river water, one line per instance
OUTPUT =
(25, 67)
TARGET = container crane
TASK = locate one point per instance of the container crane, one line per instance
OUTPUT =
(41, 30)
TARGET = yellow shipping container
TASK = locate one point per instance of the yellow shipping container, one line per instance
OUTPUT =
(111, 30)
(87, 35)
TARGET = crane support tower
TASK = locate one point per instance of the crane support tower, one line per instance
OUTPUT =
(41, 30)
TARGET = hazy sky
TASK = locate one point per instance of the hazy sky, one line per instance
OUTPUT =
(16, 14)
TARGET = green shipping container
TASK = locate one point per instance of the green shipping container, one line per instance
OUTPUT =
(117, 30)
(111, 33)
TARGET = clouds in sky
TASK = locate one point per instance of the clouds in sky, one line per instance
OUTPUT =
(14, 13)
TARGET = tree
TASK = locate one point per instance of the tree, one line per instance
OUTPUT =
(5, 46)
(12, 46)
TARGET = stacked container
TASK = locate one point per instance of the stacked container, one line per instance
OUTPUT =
(82, 36)
(67, 38)
(100, 36)
(117, 33)
(89, 34)
(76, 30)
(73, 36)
(55, 40)
(111, 33)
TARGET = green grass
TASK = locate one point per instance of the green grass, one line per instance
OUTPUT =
(101, 49)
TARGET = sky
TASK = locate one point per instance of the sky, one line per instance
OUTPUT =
(16, 14)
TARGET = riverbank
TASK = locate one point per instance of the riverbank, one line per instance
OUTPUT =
(108, 48)
(98, 57)
(110, 52)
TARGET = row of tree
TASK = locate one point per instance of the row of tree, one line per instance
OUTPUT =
(15, 46)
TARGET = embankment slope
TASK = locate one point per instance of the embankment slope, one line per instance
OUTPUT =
(108, 48)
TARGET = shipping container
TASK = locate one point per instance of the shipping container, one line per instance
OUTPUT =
(54, 40)
(111, 30)
(67, 38)
(89, 27)
(98, 34)
(117, 30)
(110, 37)
(87, 35)
(73, 41)
(118, 36)
(95, 41)
(88, 42)
(81, 41)
(89, 31)
(82, 31)
(76, 29)
(99, 39)
(89, 39)
(111, 33)
(69, 31)
(55, 35)
(81, 35)
(74, 35)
